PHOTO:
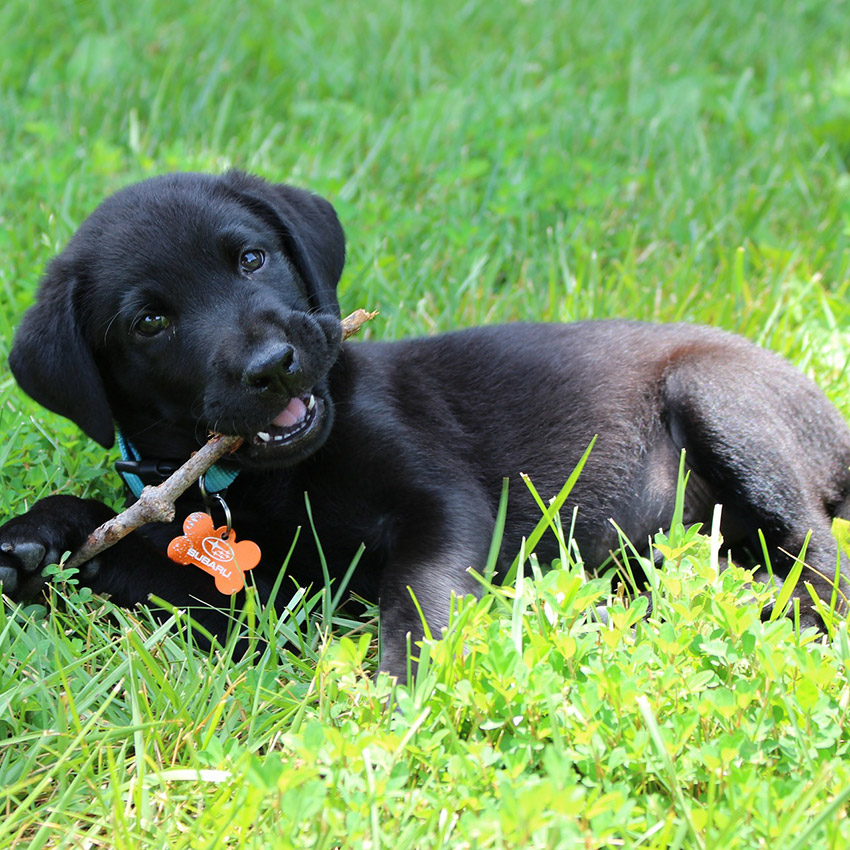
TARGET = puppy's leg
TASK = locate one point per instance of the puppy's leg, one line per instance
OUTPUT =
(431, 581)
(774, 452)
(431, 560)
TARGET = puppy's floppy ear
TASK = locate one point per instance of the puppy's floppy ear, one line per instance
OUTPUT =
(53, 362)
(311, 231)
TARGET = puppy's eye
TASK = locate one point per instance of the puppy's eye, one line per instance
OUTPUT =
(151, 324)
(252, 260)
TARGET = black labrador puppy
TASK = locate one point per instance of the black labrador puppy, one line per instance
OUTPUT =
(191, 303)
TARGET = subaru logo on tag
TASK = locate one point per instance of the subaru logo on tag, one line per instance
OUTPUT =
(217, 550)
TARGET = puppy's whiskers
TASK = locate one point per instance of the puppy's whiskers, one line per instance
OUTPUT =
(109, 324)
(141, 431)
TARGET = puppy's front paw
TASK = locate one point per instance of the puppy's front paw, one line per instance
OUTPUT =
(34, 540)
(23, 556)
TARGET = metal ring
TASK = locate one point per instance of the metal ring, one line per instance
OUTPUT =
(208, 500)
(227, 516)
(202, 485)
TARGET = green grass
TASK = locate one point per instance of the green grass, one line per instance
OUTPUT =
(490, 162)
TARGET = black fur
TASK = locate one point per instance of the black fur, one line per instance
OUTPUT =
(410, 440)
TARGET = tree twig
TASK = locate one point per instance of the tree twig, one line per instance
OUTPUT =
(156, 504)
(352, 323)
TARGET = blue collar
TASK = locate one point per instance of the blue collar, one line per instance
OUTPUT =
(133, 469)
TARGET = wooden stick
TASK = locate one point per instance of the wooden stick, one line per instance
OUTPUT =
(352, 323)
(156, 504)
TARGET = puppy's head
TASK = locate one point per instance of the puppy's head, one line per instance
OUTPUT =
(190, 303)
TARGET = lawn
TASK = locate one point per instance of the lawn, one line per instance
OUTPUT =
(490, 162)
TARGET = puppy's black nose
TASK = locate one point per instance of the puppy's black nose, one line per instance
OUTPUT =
(271, 368)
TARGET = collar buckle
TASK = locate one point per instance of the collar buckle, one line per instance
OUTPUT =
(147, 470)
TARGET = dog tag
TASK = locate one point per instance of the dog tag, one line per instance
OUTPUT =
(215, 552)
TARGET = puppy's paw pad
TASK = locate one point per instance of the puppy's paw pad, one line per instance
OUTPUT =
(29, 553)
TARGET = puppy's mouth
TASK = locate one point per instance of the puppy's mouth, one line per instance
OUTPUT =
(294, 434)
(294, 421)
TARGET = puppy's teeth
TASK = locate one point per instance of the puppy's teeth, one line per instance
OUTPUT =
(264, 436)
(311, 402)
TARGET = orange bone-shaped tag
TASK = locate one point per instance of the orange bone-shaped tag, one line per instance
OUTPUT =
(208, 548)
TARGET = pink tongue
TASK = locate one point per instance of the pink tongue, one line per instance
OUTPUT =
(295, 411)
